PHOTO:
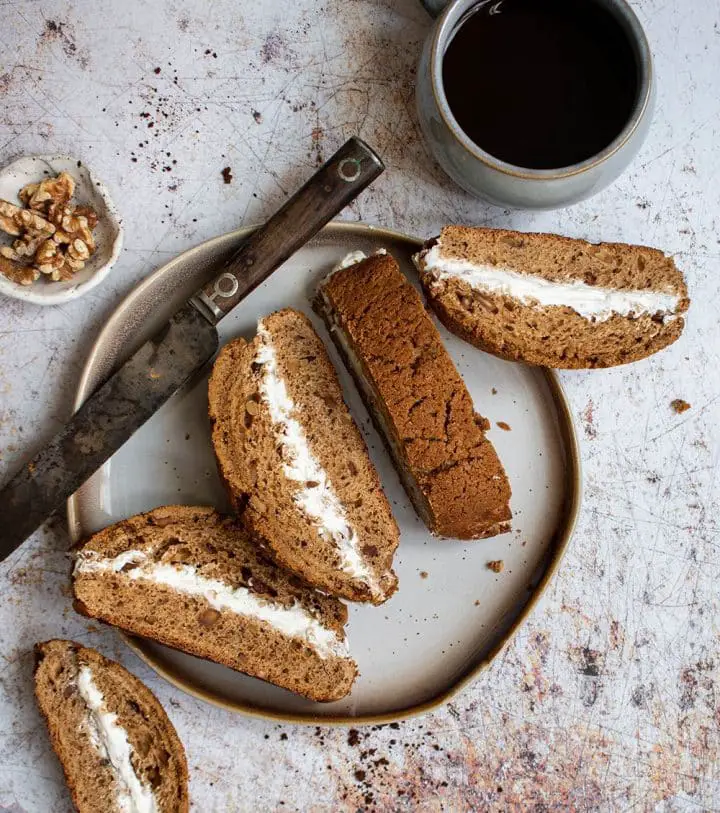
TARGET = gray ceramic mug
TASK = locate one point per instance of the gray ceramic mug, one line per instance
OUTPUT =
(504, 184)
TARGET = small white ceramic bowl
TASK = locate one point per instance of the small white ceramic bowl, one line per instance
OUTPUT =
(89, 192)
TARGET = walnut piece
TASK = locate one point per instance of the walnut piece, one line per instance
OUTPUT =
(39, 196)
(25, 247)
(55, 238)
(89, 214)
(18, 273)
(10, 218)
(72, 226)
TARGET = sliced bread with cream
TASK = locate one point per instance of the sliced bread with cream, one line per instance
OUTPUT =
(417, 398)
(117, 747)
(550, 300)
(295, 464)
(192, 579)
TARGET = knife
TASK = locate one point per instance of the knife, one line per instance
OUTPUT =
(135, 391)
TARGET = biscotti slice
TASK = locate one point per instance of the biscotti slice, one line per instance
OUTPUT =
(417, 398)
(295, 464)
(553, 301)
(192, 579)
(116, 745)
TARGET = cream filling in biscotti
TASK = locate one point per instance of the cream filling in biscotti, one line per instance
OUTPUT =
(110, 740)
(294, 621)
(316, 498)
(592, 302)
(352, 258)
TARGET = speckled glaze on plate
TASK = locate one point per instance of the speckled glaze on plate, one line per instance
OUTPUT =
(451, 615)
(89, 191)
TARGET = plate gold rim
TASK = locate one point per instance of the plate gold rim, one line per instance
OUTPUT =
(571, 509)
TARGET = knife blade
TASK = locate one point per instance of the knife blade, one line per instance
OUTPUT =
(160, 367)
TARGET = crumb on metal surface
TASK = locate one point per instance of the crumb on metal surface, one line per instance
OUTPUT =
(679, 406)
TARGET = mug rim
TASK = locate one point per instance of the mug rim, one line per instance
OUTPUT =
(636, 34)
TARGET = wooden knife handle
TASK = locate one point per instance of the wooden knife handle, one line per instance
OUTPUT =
(330, 189)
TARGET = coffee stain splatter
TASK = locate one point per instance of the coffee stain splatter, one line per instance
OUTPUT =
(273, 48)
(617, 636)
(26, 576)
(63, 33)
(316, 150)
(590, 661)
(588, 418)
(640, 696)
(696, 683)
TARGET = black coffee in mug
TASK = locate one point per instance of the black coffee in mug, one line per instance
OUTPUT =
(541, 84)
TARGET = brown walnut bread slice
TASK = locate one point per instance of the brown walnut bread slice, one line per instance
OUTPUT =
(295, 464)
(189, 578)
(417, 398)
(601, 304)
(149, 766)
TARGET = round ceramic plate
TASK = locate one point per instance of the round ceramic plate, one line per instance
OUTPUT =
(452, 614)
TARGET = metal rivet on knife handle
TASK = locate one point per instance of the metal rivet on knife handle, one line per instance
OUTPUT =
(333, 186)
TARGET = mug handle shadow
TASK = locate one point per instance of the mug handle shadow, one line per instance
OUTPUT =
(434, 7)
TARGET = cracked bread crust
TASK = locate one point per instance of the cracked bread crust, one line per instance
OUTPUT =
(158, 757)
(555, 337)
(418, 399)
(219, 548)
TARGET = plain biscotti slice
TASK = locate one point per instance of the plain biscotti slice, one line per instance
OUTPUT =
(417, 398)
(116, 745)
(551, 300)
(192, 579)
(295, 464)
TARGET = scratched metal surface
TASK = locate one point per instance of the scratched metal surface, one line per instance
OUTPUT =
(608, 699)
